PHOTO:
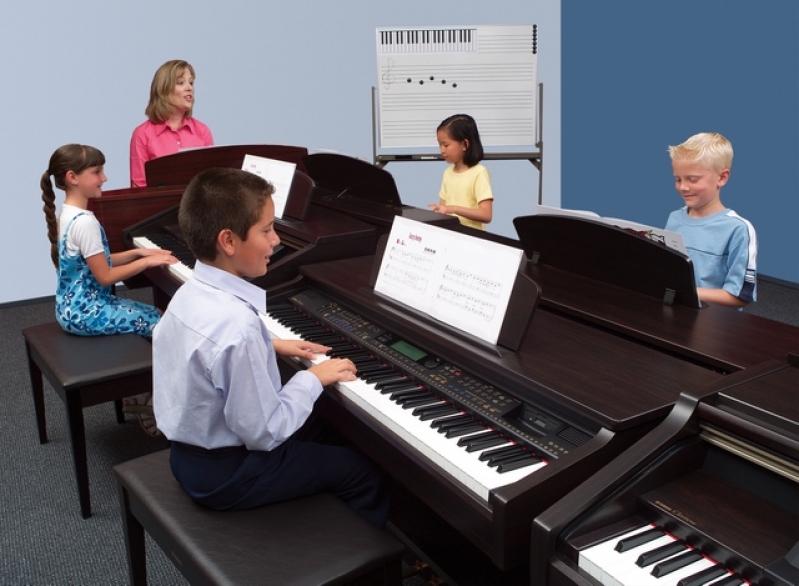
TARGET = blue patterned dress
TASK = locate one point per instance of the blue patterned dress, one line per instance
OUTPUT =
(86, 308)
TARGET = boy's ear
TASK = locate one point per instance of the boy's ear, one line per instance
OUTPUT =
(724, 176)
(225, 242)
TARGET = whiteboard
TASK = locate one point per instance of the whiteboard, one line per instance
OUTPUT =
(426, 74)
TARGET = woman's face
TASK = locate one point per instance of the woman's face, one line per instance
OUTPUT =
(183, 92)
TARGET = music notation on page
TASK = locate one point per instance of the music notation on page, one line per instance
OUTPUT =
(461, 280)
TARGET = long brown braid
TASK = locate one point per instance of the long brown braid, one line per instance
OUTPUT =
(70, 157)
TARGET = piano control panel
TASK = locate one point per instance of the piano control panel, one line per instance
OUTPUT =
(543, 432)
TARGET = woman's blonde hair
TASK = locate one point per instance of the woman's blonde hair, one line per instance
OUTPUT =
(160, 106)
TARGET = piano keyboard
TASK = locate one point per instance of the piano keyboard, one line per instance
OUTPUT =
(182, 269)
(427, 40)
(469, 451)
(649, 555)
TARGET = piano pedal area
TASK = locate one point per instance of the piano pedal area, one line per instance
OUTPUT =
(418, 573)
(436, 553)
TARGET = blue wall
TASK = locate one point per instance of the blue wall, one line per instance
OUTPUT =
(639, 76)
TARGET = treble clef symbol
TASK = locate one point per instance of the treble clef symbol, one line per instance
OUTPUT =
(388, 77)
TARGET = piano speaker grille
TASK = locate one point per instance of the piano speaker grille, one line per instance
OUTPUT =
(575, 436)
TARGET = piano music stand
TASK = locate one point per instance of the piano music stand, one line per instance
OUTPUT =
(347, 177)
(518, 316)
(608, 254)
(299, 198)
(181, 167)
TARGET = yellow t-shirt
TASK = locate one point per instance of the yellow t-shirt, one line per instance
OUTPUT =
(466, 189)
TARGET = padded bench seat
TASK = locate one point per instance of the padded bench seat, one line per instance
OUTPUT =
(85, 371)
(307, 541)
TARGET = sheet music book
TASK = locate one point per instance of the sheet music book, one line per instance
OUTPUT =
(463, 281)
(279, 173)
(673, 240)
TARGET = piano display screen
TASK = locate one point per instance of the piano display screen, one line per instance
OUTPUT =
(409, 350)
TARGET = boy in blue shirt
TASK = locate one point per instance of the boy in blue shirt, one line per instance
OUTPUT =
(721, 244)
(217, 393)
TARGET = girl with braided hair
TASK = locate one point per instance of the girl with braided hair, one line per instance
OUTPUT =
(84, 302)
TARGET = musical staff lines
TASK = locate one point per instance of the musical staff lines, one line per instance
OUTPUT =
(463, 281)
(408, 269)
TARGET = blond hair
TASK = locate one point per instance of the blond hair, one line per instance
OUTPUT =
(160, 106)
(709, 149)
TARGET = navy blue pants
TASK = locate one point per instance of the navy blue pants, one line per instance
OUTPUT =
(236, 478)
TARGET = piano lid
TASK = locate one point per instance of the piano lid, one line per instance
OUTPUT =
(604, 253)
(347, 177)
(181, 167)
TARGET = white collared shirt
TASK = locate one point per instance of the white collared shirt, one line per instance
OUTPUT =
(215, 376)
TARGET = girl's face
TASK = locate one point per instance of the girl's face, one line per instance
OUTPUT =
(89, 181)
(183, 92)
(452, 150)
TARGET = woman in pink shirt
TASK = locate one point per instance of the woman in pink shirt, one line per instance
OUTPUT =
(170, 126)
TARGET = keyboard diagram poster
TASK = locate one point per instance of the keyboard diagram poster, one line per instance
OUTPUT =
(458, 279)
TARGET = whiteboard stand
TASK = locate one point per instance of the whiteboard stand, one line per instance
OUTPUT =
(536, 158)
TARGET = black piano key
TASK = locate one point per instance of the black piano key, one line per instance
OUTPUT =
(329, 340)
(733, 580)
(398, 387)
(434, 411)
(476, 438)
(372, 368)
(464, 429)
(491, 455)
(655, 555)
(518, 455)
(672, 564)
(485, 444)
(382, 380)
(639, 539)
(489, 440)
(390, 375)
(703, 577)
(411, 403)
(516, 464)
(347, 353)
(414, 393)
(450, 421)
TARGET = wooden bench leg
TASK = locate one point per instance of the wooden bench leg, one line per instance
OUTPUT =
(77, 435)
(37, 385)
(118, 410)
(134, 542)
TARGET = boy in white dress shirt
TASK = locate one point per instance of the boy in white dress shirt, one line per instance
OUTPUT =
(217, 390)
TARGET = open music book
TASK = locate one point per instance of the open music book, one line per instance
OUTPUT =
(668, 238)
(461, 280)
(279, 173)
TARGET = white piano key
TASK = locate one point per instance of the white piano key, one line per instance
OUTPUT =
(636, 576)
(613, 568)
(180, 270)
(445, 452)
(604, 563)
